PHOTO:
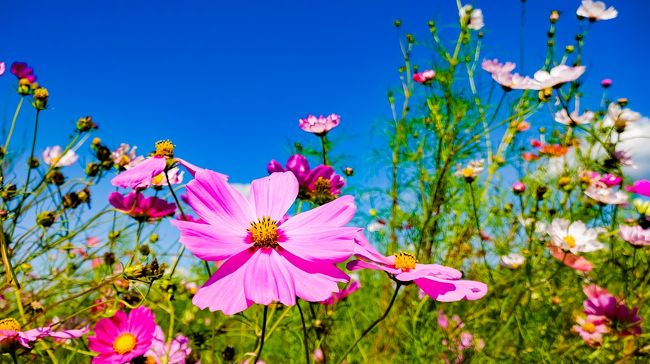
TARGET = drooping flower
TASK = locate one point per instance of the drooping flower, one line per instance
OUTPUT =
(640, 187)
(591, 329)
(162, 352)
(558, 75)
(339, 296)
(141, 175)
(472, 17)
(606, 195)
(512, 260)
(574, 237)
(319, 125)
(54, 157)
(441, 283)
(121, 338)
(424, 77)
(571, 260)
(140, 207)
(265, 261)
(596, 10)
(12, 337)
(635, 235)
(575, 118)
(617, 115)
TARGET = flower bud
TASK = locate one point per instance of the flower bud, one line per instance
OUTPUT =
(606, 83)
(539, 193)
(40, 98)
(554, 17)
(109, 258)
(113, 235)
(84, 195)
(144, 249)
(45, 219)
(518, 188)
(71, 200)
(410, 38)
(33, 162)
(569, 49)
(397, 23)
(86, 124)
(9, 192)
(623, 101)
(348, 171)
(55, 177)
(92, 169)
(103, 153)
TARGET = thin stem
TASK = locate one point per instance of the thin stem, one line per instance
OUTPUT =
(13, 123)
(372, 326)
(478, 232)
(305, 339)
(258, 356)
(323, 141)
(137, 242)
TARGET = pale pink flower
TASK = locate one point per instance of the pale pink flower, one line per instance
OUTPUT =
(162, 352)
(319, 125)
(441, 283)
(575, 118)
(571, 260)
(12, 337)
(596, 10)
(635, 235)
(92, 241)
(558, 75)
(514, 81)
(124, 155)
(472, 17)
(2, 68)
(494, 66)
(265, 261)
(617, 114)
(606, 195)
(512, 260)
(591, 330)
(54, 157)
(424, 77)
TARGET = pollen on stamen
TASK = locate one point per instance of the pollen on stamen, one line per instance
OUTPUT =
(405, 261)
(164, 148)
(264, 233)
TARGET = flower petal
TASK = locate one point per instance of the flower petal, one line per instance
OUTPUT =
(211, 242)
(272, 196)
(267, 279)
(332, 245)
(335, 213)
(141, 175)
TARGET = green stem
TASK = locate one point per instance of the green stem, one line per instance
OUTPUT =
(372, 326)
(478, 232)
(305, 339)
(323, 141)
(13, 123)
(258, 356)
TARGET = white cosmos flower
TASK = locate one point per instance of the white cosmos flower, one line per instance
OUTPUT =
(558, 75)
(475, 21)
(606, 195)
(52, 156)
(596, 10)
(574, 237)
(512, 260)
(616, 113)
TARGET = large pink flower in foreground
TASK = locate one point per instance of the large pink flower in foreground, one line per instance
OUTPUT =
(12, 337)
(141, 208)
(265, 261)
(123, 337)
(442, 283)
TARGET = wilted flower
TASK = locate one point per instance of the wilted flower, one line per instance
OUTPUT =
(265, 261)
(574, 237)
(606, 195)
(512, 260)
(161, 352)
(319, 125)
(140, 207)
(596, 10)
(441, 283)
(635, 235)
(640, 187)
(424, 77)
(121, 338)
(472, 17)
(54, 157)
(12, 337)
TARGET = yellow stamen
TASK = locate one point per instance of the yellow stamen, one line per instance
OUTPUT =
(405, 261)
(9, 324)
(150, 360)
(157, 180)
(124, 343)
(41, 93)
(165, 148)
(468, 172)
(589, 327)
(570, 241)
(264, 233)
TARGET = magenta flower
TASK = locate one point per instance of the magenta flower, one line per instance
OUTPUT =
(297, 164)
(640, 187)
(610, 180)
(339, 296)
(601, 304)
(123, 337)
(13, 338)
(265, 261)
(319, 125)
(424, 77)
(635, 235)
(162, 352)
(323, 184)
(141, 208)
(518, 188)
(145, 173)
(22, 71)
(441, 283)
(606, 83)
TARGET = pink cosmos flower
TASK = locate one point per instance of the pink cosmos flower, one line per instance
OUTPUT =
(610, 180)
(54, 157)
(640, 187)
(518, 188)
(606, 195)
(510, 81)
(571, 260)
(123, 337)
(124, 155)
(141, 208)
(318, 355)
(619, 115)
(591, 330)
(596, 10)
(2, 68)
(472, 17)
(339, 296)
(265, 261)
(601, 304)
(142, 175)
(12, 337)
(575, 118)
(297, 164)
(494, 66)
(319, 125)
(323, 184)
(424, 77)
(558, 75)
(22, 71)
(92, 241)
(161, 352)
(635, 235)
(441, 283)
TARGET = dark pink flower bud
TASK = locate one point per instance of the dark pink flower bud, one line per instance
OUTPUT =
(518, 188)
(606, 83)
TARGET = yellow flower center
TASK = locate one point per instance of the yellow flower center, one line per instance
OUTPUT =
(264, 233)
(322, 192)
(570, 241)
(164, 148)
(589, 327)
(405, 261)
(158, 179)
(41, 93)
(9, 324)
(124, 343)
(150, 360)
(124, 160)
(467, 172)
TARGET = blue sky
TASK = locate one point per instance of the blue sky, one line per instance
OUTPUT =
(227, 81)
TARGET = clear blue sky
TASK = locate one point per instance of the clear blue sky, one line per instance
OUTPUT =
(228, 80)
